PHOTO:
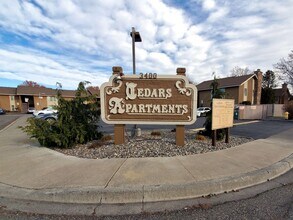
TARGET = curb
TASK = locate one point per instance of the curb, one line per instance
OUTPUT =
(234, 124)
(141, 194)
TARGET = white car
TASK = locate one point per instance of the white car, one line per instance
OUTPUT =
(202, 111)
(31, 110)
(46, 110)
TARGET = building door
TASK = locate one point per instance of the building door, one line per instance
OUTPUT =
(24, 107)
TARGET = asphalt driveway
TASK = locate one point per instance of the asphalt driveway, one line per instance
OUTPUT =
(257, 130)
(8, 119)
(262, 129)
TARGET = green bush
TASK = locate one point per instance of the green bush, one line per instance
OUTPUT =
(77, 122)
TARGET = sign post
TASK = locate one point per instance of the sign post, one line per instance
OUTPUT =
(148, 99)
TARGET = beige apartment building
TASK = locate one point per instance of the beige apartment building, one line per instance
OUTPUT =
(240, 88)
(21, 98)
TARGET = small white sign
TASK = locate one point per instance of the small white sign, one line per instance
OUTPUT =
(222, 113)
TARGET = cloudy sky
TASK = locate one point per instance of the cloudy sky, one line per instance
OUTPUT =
(69, 41)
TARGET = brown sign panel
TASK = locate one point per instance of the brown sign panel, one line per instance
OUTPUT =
(222, 114)
(148, 99)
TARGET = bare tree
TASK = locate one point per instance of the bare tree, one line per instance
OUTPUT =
(269, 79)
(238, 71)
(285, 68)
(32, 84)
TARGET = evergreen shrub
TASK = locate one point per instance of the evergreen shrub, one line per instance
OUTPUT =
(77, 122)
(219, 94)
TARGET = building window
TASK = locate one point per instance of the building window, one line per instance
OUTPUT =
(12, 98)
(245, 91)
(52, 99)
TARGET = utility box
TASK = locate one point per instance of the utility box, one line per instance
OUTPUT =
(236, 113)
(286, 115)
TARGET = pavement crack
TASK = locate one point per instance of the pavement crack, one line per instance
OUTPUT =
(142, 205)
(99, 204)
(114, 173)
(94, 212)
(186, 169)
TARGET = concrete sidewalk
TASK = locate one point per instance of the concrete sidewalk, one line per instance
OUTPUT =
(30, 172)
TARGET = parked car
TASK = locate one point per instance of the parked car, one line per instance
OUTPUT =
(202, 111)
(46, 110)
(51, 117)
(30, 110)
(2, 111)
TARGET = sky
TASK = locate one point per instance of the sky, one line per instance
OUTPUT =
(69, 41)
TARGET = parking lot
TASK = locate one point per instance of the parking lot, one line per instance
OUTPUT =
(7, 119)
(256, 130)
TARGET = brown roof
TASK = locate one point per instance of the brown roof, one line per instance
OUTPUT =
(68, 93)
(7, 91)
(94, 90)
(279, 92)
(29, 90)
(233, 81)
(35, 91)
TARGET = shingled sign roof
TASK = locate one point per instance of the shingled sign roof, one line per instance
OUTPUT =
(233, 81)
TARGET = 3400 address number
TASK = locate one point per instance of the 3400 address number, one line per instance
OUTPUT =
(148, 75)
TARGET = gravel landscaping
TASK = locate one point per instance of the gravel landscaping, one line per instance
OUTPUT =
(149, 145)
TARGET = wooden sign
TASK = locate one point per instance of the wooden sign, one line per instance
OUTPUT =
(148, 99)
(222, 113)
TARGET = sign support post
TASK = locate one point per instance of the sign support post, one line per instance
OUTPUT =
(119, 129)
(227, 135)
(180, 129)
(180, 136)
(119, 135)
(214, 137)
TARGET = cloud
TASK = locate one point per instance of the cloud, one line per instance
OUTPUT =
(82, 39)
(23, 65)
(209, 5)
(218, 14)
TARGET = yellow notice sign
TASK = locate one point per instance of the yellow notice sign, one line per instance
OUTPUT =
(222, 115)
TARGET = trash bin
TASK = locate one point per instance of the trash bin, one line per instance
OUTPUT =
(236, 113)
(286, 115)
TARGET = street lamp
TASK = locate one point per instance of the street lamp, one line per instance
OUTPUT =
(135, 38)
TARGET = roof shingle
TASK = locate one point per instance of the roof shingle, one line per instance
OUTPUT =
(233, 81)
(7, 91)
